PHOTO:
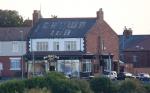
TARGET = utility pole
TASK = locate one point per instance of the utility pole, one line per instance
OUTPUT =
(22, 68)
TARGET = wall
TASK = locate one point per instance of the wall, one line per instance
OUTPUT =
(80, 45)
(6, 48)
(6, 72)
(143, 58)
(101, 31)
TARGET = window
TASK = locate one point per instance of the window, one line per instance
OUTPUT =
(134, 58)
(15, 64)
(107, 64)
(70, 45)
(87, 66)
(102, 45)
(1, 66)
(42, 46)
(56, 46)
(15, 46)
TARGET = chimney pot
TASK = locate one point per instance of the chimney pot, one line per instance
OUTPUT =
(127, 32)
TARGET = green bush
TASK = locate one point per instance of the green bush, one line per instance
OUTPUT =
(55, 75)
(102, 85)
(83, 85)
(39, 82)
(12, 86)
(147, 88)
(58, 83)
(131, 86)
(64, 86)
(37, 90)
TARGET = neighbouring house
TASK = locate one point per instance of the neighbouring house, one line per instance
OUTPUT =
(83, 45)
(135, 52)
(13, 46)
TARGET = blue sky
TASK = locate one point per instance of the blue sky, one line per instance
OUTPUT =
(118, 13)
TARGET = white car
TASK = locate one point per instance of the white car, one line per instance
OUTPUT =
(143, 76)
(110, 74)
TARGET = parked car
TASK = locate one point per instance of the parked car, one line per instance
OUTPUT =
(143, 76)
(110, 74)
(86, 75)
(124, 75)
(129, 75)
(121, 76)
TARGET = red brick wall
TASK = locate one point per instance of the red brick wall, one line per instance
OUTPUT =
(110, 38)
(143, 58)
(6, 72)
(101, 30)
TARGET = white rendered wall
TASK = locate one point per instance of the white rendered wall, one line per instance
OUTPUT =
(6, 48)
(79, 43)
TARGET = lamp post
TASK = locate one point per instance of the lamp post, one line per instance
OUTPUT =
(50, 59)
(22, 68)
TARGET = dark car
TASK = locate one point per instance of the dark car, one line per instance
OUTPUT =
(124, 75)
(121, 76)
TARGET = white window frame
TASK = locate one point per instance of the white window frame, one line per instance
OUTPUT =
(42, 46)
(70, 45)
(88, 65)
(17, 62)
(15, 46)
(56, 46)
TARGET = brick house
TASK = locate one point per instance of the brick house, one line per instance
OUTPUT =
(82, 45)
(13, 46)
(135, 52)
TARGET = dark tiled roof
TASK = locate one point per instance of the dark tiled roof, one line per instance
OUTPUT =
(13, 33)
(62, 27)
(134, 42)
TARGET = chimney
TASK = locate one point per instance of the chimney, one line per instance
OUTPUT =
(127, 32)
(100, 14)
(36, 16)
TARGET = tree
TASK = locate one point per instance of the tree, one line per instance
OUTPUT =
(10, 18)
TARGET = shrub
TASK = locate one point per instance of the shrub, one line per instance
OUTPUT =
(12, 86)
(147, 88)
(131, 86)
(39, 82)
(37, 90)
(83, 85)
(55, 75)
(64, 86)
(58, 83)
(102, 85)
